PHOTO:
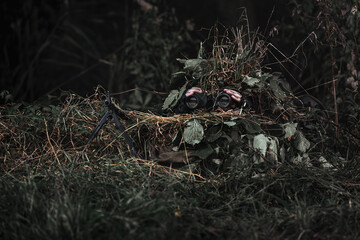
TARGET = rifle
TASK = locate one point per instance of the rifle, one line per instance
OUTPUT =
(108, 116)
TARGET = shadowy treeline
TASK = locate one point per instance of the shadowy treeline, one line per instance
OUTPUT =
(48, 46)
(73, 44)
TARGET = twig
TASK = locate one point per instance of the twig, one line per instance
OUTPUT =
(52, 147)
(333, 76)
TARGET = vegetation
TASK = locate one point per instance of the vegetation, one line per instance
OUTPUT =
(48, 192)
(280, 170)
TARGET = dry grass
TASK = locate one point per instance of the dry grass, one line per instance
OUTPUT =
(48, 191)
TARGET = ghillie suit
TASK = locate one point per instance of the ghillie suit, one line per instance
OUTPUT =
(266, 126)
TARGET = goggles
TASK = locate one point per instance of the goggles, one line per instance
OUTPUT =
(196, 99)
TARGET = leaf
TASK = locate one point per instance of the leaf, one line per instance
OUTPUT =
(251, 81)
(138, 96)
(148, 98)
(273, 129)
(5, 94)
(273, 149)
(300, 142)
(173, 98)
(230, 123)
(170, 99)
(278, 92)
(178, 79)
(302, 159)
(194, 132)
(201, 52)
(290, 129)
(197, 67)
(213, 134)
(251, 125)
(166, 154)
(217, 161)
(204, 152)
(282, 153)
(324, 163)
(261, 143)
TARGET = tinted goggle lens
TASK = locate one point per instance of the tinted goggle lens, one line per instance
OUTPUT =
(192, 102)
(224, 100)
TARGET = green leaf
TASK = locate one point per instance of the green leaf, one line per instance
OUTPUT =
(5, 94)
(201, 52)
(251, 125)
(290, 129)
(194, 132)
(138, 96)
(173, 98)
(324, 163)
(213, 134)
(261, 143)
(230, 123)
(278, 92)
(273, 129)
(196, 67)
(300, 142)
(170, 99)
(253, 82)
(204, 152)
(302, 159)
(272, 152)
(148, 98)
(178, 79)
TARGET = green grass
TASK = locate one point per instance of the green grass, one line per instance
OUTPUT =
(49, 192)
(86, 201)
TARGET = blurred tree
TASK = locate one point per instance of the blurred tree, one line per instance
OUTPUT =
(77, 44)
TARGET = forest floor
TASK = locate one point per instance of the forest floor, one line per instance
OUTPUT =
(49, 190)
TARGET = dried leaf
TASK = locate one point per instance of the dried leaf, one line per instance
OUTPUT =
(166, 154)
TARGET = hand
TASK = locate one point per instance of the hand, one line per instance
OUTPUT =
(193, 90)
(234, 94)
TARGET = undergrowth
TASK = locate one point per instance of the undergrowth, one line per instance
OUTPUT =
(51, 191)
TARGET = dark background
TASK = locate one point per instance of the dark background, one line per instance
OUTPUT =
(52, 45)
(48, 46)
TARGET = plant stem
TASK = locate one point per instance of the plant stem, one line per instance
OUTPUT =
(333, 78)
(334, 92)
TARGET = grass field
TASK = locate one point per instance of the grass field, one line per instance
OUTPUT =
(50, 191)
